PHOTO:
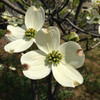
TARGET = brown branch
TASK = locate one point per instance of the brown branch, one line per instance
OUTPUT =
(50, 95)
(56, 90)
(78, 11)
(25, 3)
(60, 8)
(79, 29)
(4, 23)
(12, 6)
(92, 47)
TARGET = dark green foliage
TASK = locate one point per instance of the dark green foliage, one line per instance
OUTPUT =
(14, 87)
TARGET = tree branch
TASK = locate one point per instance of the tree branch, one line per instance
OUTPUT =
(50, 96)
(79, 29)
(92, 47)
(12, 6)
(78, 11)
(56, 90)
(25, 3)
(60, 8)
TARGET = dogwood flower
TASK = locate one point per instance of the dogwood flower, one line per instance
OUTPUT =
(96, 17)
(12, 19)
(23, 38)
(99, 33)
(95, 2)
(62, 60)
(99, 29)
(1, 67)
(12, 68)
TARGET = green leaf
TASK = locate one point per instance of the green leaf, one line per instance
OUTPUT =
(72, 37)
(89, 36)
(75, 2)
(1, 5)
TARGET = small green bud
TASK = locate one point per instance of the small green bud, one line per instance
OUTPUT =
(30, 33)
(54, 57)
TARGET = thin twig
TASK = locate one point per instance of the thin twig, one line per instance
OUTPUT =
(30, 1)
(44, 3)
(14, 7)
(67, 14)
(59, 24)
(60, 8)
(4, 22)
(79, 29)
(25, 3)
(92, 47)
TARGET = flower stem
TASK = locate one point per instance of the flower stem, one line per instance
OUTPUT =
(34, 90)
(57, 87)
(50, 96)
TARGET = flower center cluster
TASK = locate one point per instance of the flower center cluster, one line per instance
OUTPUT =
(54, 57)
(30, 33)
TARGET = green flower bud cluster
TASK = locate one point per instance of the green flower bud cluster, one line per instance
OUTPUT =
(54, 57)
(30, 33)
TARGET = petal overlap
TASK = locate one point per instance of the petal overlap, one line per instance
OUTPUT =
(48, 39)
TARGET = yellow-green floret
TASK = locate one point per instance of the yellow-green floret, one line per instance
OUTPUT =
(30, 33)
(54, 57)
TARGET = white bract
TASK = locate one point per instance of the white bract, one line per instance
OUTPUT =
(12, 19)
(6, 15)
(1, 67)
(99, 29)
(99, 33)
(12, 68)
(62, 60)
(95, 2)
(22, 38)
(95, 16)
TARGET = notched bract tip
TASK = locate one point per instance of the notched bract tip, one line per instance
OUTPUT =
(25, 67)
(35, 9)
(46, 31)
(76, 83)
(11, 51)
(80, 52)
(8, 32)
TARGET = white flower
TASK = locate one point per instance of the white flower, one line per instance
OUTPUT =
(6, 15)
(22, 38)
(95, 2)
(99, 29)
(1, 67)
(96, 17)
(12, 19)
(12, 68)
(62, 59)
(99, 33)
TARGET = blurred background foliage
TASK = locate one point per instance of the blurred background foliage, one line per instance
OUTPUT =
(15, 86)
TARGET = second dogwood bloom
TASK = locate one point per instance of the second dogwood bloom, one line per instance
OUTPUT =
(23, 38)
